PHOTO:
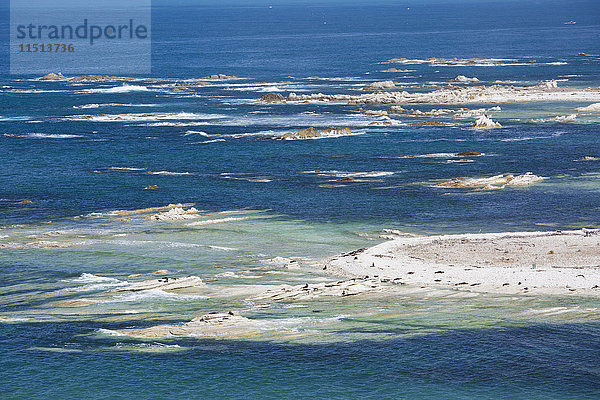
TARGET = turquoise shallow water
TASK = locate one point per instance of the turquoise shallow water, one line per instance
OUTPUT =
(63, 247)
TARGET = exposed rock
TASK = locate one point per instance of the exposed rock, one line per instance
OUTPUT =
(99, 78)
(160, 272)
(175, 214)
(469, 153)
(52, 77)
(484, 122)
(346, 179)
(162, 284)
(548, 85)
(395, 70)
(380, 85)
(184, 85)
(494, 182)
(565, 118)
(591, 108)
(396, 60)
(272, 98)
(312, 133)
(219, 77)
(463, 79)
(311, 291)
(214, 325)
(429, 123)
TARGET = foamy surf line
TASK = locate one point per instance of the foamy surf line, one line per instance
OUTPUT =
(118, 89)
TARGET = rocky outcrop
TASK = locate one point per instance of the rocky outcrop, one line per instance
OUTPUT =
(165, 283)
(429, 123)
(469, 153)
(591, 108)
(463, 79)
(312, 133)
(219, 77)
(395, 70)
(565, 118)
(175, 214)
(184, 85)
(311, 291)
(494, 182)
(52, 77)
(272, 98)
(231, 325)
(380, 85)
(548, 85)
(226, 325)
(98, 78)
(484, 122)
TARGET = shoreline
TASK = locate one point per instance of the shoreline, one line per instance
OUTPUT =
(546, 263)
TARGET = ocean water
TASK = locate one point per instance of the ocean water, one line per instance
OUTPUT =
(72, 158)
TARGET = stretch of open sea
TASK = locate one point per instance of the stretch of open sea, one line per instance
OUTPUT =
(71, 155)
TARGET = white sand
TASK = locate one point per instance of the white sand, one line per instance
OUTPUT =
(535, 262)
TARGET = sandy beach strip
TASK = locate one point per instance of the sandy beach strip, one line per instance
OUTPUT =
(560, 262)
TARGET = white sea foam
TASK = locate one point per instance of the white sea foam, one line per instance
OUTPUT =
(154, 294)
(7, 119)
(109, 332)
(431, 155)
(148, 347)
(142, 117)
(294, 323)
(127, 169)
(201, 133)
(94, 283)
(345, 174)
(209, 141)
(178, 124)
(217, 221)
(12, 319)
(51, 136)
(96, 105)
(125, 88)
(222, 248)
(227, 274)
(91, 278)
(168, 173)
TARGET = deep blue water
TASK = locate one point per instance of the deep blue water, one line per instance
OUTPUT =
(537, 362)
(294, 43)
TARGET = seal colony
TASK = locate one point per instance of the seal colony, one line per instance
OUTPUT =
(561, 262)
(555, 264)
